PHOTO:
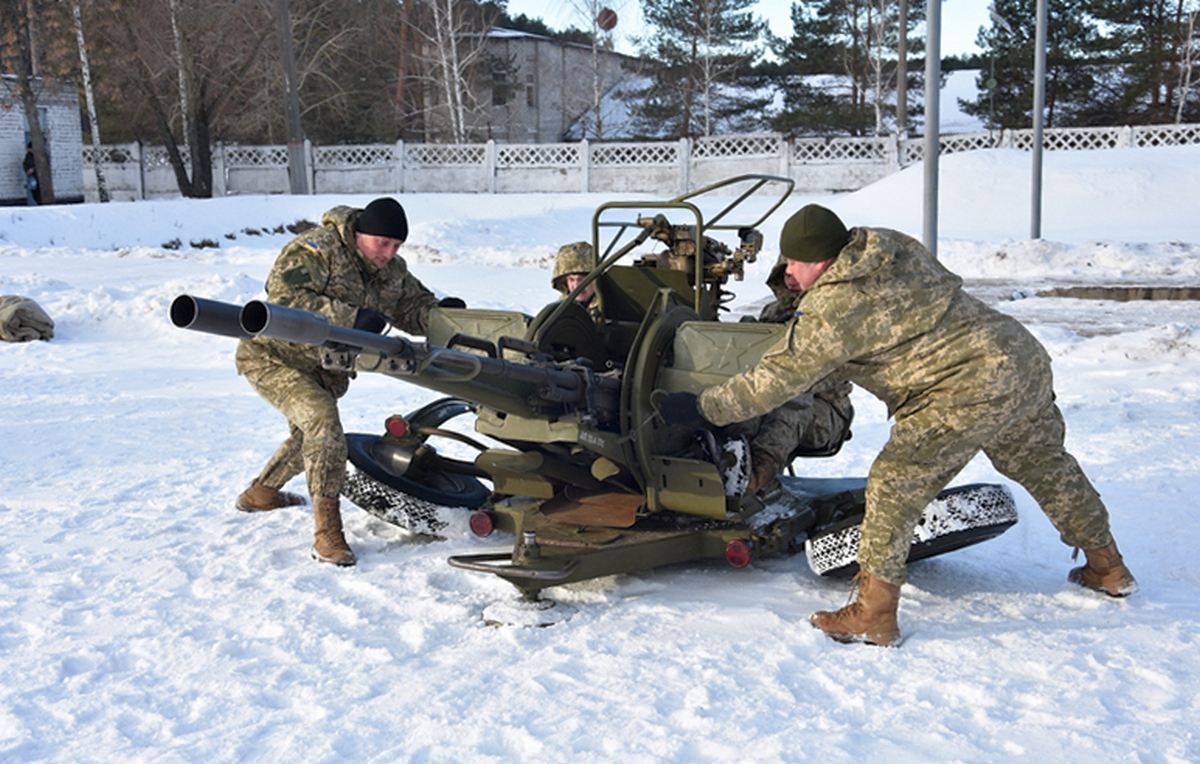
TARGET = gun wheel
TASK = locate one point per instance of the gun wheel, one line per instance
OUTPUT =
(956, 518)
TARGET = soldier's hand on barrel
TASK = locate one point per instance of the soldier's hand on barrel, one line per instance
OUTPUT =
(370, 320)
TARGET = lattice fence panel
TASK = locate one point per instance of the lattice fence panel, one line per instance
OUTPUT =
(950, 144)
(634, 154)
(445, 154)
(157, 156)
(822, 150)
(538, 155)
(256, 156)
(1166, 135)
(911, 151)
(108, 155)
(378, 155)
(1070, 138)
(736, 146)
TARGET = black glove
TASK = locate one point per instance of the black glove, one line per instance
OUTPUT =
(369, 320)
(451, 302)
(680, 409)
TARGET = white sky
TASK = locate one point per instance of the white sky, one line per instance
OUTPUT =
(961, 19)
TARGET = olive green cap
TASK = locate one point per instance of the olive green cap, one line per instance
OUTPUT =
(813, 234)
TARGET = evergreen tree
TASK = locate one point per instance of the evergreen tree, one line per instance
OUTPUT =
(1145, 41)
(702, 77)
(854, 43)
(1075, 66)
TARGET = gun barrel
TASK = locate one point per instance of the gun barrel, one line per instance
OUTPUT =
(210, 316)
(259, 318)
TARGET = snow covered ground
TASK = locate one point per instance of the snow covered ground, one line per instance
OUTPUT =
(142, 618)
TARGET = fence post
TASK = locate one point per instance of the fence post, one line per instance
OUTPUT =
(489, 165)
(308, 164)
(893, 153)
(585, 165)
(685, 164)
(784, 155)
(1126, 138)
(141, 161)
(219, 170)
(398, 167)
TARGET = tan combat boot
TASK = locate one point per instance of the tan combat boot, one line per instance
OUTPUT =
(261, 498)
(329, 545)
(870, 618)
(1105, 572)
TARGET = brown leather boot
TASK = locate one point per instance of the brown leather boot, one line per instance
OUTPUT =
(329, 545)
(261, 498)
(870, 618)
(1105, 572)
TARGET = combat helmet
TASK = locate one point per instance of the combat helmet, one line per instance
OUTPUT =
(576, 257)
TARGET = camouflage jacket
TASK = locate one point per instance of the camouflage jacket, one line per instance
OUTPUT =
(781, 431)
(322, 271)
(888, 317)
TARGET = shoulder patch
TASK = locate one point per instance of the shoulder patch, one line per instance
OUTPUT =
(311, 246)
(296, 276)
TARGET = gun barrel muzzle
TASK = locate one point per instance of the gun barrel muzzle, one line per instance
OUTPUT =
(210, 316)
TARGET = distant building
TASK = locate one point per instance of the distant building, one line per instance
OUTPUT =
(58, 114)
(541, 90)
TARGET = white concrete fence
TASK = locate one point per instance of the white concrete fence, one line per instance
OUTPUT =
(133, 171)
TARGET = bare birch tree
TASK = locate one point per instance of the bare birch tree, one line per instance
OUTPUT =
(89, 95)
(588, 11)
(1189, 58)
(180, 70)
(451, 48)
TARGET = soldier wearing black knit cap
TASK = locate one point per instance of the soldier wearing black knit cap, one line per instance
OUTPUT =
(349, 271)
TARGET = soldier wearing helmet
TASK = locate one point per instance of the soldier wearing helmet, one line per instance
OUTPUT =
(572, 263)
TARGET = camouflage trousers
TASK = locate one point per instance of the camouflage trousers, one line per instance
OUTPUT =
(804, 424)
(316, 444)
(1023, 436)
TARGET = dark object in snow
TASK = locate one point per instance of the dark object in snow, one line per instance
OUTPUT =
(23, 320)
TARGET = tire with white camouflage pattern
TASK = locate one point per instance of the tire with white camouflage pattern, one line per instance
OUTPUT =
(956, 518)
(439, 506)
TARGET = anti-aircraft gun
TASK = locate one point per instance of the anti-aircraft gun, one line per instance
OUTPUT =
(582, 471)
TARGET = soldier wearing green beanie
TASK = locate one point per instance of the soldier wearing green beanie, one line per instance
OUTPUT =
(957, 376)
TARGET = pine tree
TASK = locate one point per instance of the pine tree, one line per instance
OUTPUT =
(1075, 67)
(855, 43)
(701, 80)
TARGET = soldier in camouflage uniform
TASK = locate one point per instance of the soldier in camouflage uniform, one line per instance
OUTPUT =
(957, 376)
(571, 264)
(814, 421)
(348, 271)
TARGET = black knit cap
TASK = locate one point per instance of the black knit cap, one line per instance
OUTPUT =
(383, 217)
(813, 234)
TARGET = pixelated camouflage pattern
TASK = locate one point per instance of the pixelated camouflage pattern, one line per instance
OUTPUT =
(322, 271)
(957, 376)
(815, 420)
(576, 257)
(316, 443)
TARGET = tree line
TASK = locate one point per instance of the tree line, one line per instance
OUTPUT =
(187, 73)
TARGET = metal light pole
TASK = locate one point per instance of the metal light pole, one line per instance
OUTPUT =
(902, 73)
(297, 173)
(1039, 107)
(933, 76)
